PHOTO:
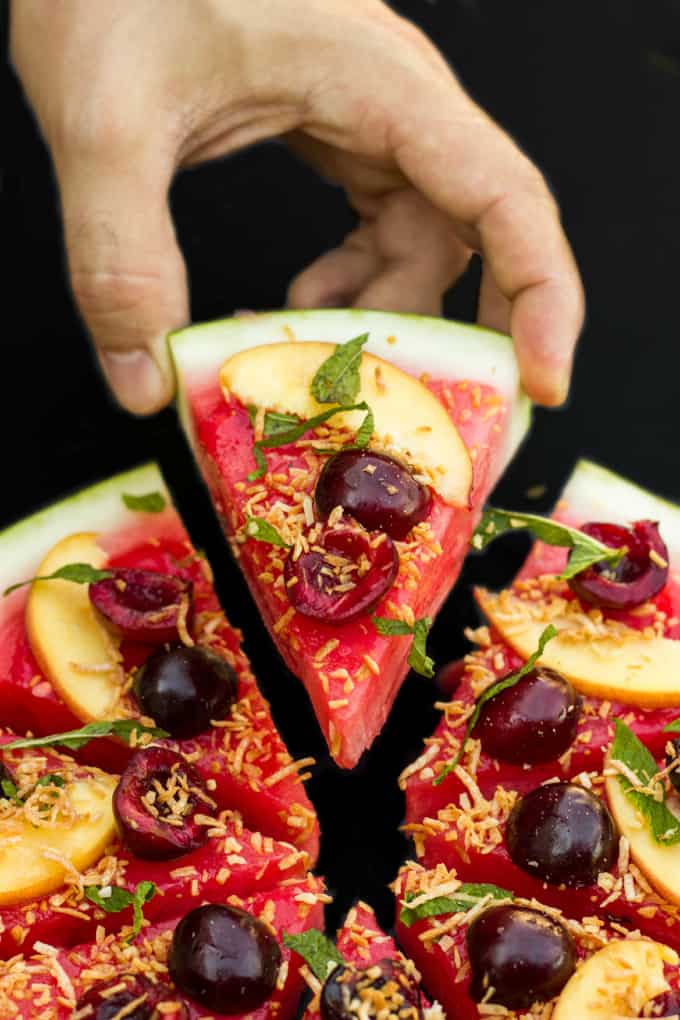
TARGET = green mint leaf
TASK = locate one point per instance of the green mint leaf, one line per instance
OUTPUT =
(10, 791)
(585, 551)
(292, 435)
(318, 952)
(365, 431)
(148, 503)
(263, 531)
(75, 739)
(79, 573)
(51, 779)
(672, 727)
(274, 421)
(418, 659)
(261, 462)
(467, 896)
(113, 899)
(662, 823)
(337, 379)
(501, 685)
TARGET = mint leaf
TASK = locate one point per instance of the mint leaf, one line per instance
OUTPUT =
(116, 899)
(365, 431)
(501, 685)
(672, 727)
(318, 952)
(261, 462)
(418, 659)
(10, 791)
(296, 432)
(79, 573)
(274, 421)
(467, 896)
(585, 551)
(662, 823)
(51, 779)
(263, 531)
(337, 380)
(149, 503)
(75, 739)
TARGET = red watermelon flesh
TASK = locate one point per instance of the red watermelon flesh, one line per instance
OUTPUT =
(246, 757)
(49, 983)
(351, 673)
(443, 960)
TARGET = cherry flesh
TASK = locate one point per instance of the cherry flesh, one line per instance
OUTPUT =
(156, 999)
(533, 721)
(665, 1005)
(224, 958)
(156, 803)
(143, 605)
(185, 688)
(636, 578)
(523, 954)
(384, 985)
(375, 489)
(343, 576)
(562, 834)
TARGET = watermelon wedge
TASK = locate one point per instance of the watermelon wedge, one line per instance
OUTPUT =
(60, 666)
(591, 494)
(596, 974)
(446, 391)
(58, 984)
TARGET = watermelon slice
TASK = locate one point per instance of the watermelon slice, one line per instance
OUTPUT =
(592, 493)
(352, 672)
(51, 982)
(624, 976)
(242, 756)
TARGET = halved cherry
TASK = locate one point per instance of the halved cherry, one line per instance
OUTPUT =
(143, 605)
(387, 986)
(342, 576)
(132, 996)
(156, 803)
(637, 577)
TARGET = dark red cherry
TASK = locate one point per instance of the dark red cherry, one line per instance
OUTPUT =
(224, 958)
(386, 985)
(563, 834)
(143, 605)
(449, 676)
(523, 954)
(184, 688)
(665, 1005)
(533, 721)
(156, 802)
(639, 576)
(153, 1000)
(376, 490)
(674, 756)
(343, 576)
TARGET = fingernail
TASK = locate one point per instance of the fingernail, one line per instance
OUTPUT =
(136, 380)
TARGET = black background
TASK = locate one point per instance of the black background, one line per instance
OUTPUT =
(591, 90)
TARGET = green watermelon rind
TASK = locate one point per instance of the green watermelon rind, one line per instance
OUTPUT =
(98, 507)
(442, 348)
(594, 493)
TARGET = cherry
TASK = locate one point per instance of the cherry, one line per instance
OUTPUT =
(533, 721)
(376, 490)
(635, 578)
(386, 985)
(185, 688)
(522, 953)
(665, 1005)
(671, 757)
(342, 576)
(156, 802)
(224, 958)
(449, 677)
(563, 834)
(143, 605)
(156, 999)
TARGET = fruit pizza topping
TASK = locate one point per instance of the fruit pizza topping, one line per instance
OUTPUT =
(224, 958)
(519, 956)
(185, 689)
(145, 606)
(638, 576)
(342, 575)
(563, 834)
(162, 805)
(388, 989)
(132, 996)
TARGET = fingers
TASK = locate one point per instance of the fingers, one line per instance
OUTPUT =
(494, 308)
(127, 273)
(471, 170)
(336, 278)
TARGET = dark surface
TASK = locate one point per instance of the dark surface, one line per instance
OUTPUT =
(592, 91)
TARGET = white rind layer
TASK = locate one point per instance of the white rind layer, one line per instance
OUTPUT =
(98, 508)
(596, 494)
(443, 349)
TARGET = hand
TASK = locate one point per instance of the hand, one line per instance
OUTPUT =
(128, 92)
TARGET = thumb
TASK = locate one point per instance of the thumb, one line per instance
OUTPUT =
(127, 273)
